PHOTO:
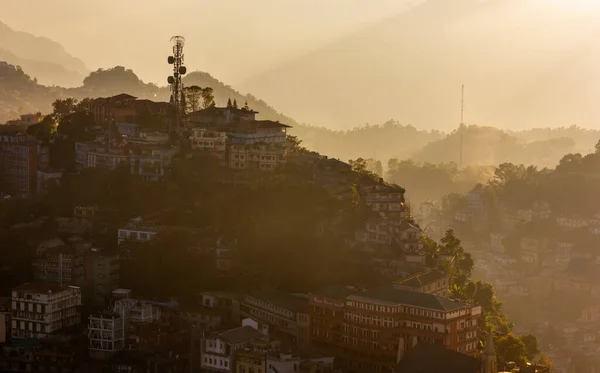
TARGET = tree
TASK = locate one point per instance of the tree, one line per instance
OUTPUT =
(295, 142)
(235, 104)
(531, 345)
(43, 130)
(193, 95)
(229, 105)
(63, 108)
(597, 147)
(246, 107)
(208, 99)
(511, 348)
(359, 165)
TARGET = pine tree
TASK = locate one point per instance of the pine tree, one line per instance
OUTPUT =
(246, 107)
(235, 103)
(229, 103)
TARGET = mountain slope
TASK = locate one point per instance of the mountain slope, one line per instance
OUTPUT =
(42, 58)
(518, 58)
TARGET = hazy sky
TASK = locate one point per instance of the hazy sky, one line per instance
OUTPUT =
(231, 39)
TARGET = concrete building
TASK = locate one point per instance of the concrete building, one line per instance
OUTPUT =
(249, 144)
(366, 330)
(102, 269)
(218, 350)
(18, 165)
(106, 334)
(124, 108)
(385, 199)
(109, 330)
(54, 263)
(430, 282)
(286, 314)
(42, 309)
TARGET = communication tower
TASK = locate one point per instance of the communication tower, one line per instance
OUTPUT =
(177, 95)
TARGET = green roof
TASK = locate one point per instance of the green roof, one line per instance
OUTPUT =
(391, 296)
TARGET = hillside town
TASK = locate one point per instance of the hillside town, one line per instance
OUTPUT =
(74, 313)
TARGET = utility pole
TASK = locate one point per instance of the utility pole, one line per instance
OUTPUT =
(462, 125)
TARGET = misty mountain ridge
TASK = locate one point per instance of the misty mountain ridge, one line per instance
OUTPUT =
(44, 59)
(20, 94)
(517, 58)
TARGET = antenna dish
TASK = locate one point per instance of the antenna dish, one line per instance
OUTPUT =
(171, 59)
(171, 80)
(182, 70)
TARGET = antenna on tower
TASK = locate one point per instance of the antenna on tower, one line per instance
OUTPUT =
(177, 95)
(462, 125)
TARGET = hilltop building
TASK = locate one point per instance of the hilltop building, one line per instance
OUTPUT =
(238, 139)
(124, 108)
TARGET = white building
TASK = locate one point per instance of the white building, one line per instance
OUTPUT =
(108, 330)
(42, 309)
(217, 351)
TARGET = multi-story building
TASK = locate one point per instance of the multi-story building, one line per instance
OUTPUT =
(385, 199)
(147, 160)
(109, 330)
(18, 165)
(54, 263)
(391, 231)
(366, 329)
(125, 108)
(41, 309)
(248, 144)
(102, 269)
(4, 319)
(431, 282)
(286, 314)
(211, 141)
(106, 334)
(218, 350)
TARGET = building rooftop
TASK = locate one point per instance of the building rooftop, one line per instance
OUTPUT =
(336, 291)
(240, 335)
(39, 287)
(254, 125)
(432, 358)
(293, 302)
(422, 279)
(391, 296)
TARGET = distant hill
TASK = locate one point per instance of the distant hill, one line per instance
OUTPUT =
(491, 146)
(43, 59)
(525, 63)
